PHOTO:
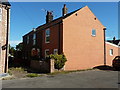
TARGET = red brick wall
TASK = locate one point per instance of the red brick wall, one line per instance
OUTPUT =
(55, 39)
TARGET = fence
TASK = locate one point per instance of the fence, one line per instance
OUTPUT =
(46, 66)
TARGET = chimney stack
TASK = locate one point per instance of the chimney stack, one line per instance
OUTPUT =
(114, 38)
(64, 10)
(49, 17)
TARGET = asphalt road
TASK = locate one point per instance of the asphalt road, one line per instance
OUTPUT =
(82, 79)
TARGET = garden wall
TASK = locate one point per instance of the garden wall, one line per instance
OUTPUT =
(46, 66)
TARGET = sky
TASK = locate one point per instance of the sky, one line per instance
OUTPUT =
(28, 15)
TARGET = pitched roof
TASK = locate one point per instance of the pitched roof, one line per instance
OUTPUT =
(116, 42)
(62, 17)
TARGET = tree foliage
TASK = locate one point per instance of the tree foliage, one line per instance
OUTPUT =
(19, 47)
(11, 50)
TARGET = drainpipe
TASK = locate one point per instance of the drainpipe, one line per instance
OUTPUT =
(104, 46)
(7, 39)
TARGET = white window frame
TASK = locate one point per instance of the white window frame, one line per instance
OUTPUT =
(34, 38)
(111, 52)
(0, 14)
(47, 36)
(46, 53)
(55, 50)
(28, 39)
(93, 33)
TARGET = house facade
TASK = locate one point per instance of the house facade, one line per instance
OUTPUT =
(4, 35)
(112, 50)
(79, 35)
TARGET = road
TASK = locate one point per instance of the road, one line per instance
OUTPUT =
(82, 79)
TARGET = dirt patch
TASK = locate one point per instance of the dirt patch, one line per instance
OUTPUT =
(18, 72)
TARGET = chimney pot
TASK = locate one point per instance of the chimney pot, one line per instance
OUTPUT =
(49, 17)
(64, 10)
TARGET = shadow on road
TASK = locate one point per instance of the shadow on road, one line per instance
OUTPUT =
(105, 67)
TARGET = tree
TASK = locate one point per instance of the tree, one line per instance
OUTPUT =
(11, 50)
(19, 47)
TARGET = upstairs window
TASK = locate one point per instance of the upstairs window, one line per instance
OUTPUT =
(93, 32)
(47, 36)
(111, 52)
(27, 39)
(0, 14)
(34, 38)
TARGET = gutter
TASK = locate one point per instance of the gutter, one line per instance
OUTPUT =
(7, 39)
(104, 47)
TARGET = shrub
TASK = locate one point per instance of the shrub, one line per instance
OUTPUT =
(59, 60)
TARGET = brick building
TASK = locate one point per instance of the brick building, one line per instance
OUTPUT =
(79, 35)
(4, 34)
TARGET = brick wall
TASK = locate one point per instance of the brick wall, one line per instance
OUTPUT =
(81, 49)
(3, 35)
(55, 39)
(110, 57)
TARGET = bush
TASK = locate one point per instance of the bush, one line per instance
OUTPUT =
(59, 60)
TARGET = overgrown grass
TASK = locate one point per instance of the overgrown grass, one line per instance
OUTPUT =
(66, 72)
(31, 75)
(9, 72)
(17, 69)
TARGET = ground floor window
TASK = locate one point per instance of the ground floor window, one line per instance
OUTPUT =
(111, 52)
(55, 51)
(46, 53)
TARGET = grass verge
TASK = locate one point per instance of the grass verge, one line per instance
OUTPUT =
(66, 72)
(31, 75)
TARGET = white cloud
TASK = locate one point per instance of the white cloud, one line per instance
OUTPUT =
(14, 43)
(110, 38)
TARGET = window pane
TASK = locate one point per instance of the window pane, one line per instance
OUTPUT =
(27, 39)
(55, 51)
(34, 36)
(47, 32)
(111, 51)
(47, 38)
(34, 42)
(46, 53)
(93, 32)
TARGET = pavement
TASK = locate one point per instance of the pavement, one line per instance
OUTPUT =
(82, 79)
(4, 75)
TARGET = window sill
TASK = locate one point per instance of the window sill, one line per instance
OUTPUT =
(47, 42)
(111, 55)
(93, 35)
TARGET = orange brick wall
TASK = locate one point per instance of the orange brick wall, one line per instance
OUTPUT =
(109, 57)
(82, 50)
